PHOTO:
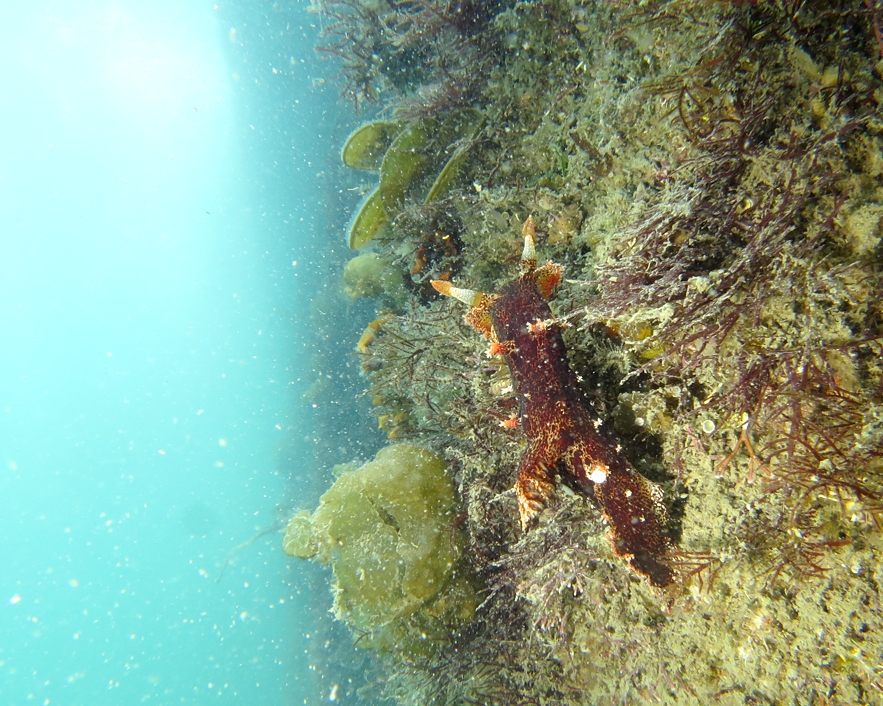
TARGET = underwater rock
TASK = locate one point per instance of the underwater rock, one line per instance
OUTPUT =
(387, 529)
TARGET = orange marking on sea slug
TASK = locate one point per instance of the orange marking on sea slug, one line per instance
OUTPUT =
(497, 348)
(563, 433)
(511, 422)
(537, 327)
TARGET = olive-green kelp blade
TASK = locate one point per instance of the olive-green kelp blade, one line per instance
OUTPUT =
(421, 162)
(403, 162)
(370, 220)
(451, 170)
(366, 146)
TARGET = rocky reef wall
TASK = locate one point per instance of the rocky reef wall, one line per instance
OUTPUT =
(710, 176)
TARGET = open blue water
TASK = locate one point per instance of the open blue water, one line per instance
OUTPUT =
(163, 230)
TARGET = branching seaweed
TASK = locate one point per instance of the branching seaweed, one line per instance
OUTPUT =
(748, 265)
(424, 56)
(430, 385)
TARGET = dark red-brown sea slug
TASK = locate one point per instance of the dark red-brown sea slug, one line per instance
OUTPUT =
(564, 435)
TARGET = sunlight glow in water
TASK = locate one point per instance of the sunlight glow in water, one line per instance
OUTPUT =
(144, 371)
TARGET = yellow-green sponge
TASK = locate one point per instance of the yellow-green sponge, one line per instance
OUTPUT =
(387, 530)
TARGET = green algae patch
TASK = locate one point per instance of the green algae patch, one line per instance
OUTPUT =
(387, 529)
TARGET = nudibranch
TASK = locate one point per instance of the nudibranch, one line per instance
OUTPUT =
(564, 435)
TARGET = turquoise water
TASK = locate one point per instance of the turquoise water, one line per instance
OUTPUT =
(163, 223)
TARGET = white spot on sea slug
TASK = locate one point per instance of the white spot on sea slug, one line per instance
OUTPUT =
(598, 475)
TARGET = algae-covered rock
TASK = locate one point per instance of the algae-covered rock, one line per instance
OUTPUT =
(387, 530)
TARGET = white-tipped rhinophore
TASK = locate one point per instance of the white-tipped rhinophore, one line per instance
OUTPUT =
(529, 254)
(467, 296)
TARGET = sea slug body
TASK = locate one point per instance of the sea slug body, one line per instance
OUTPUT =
(564, 436)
